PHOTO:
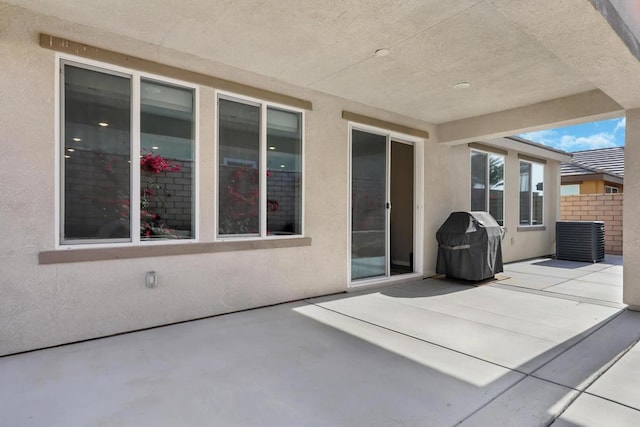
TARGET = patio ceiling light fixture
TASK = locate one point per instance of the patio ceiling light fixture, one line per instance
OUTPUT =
(462, 85)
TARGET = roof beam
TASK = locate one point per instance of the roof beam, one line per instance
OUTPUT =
(583, 107)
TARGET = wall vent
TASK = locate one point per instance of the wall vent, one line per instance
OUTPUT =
(580, 241)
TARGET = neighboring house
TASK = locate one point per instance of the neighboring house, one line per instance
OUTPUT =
(592, 184)
(220, 156)
(598, 171)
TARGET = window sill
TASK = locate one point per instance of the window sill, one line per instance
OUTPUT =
(106, 254)
(532, 227)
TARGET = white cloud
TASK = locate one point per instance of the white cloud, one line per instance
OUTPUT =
(546, 137)
(579, 138)
(555, 139)
(577, 143)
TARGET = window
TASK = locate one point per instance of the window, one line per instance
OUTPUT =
(127, 157)
(487, 184)
(531, 193)
(610, 190)
(570, 189)
(259, 169)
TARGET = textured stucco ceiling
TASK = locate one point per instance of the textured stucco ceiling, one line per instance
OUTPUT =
(513, 52)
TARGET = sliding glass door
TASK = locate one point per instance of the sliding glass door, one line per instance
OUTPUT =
(383, 224)
(369, 171)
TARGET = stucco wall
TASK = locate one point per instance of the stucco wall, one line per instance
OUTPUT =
(45, 305)
(447, 189)
(597, 187)
(631, 227)
(529, 242)
(519, 242)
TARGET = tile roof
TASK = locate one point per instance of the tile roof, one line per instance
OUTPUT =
(603, 160)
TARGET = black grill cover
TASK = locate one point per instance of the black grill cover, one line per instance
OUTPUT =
(469, 246)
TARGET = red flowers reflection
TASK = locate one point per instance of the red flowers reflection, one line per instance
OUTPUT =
(157, 163)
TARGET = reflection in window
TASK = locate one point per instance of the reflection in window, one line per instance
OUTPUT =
(238, 169)
(531, 193)
(96, 148)
(487, 184)
(99, 154)
(368, 209)
(166, 163)
(243, 208)
(478, 181)
(284, 172)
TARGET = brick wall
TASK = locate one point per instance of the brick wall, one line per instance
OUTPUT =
(97, 193)
(284, 188)
(597, 207)
(239, 199)
(172, 195)
(97, 196)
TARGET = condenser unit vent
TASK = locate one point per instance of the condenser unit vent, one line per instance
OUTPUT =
(580, 241)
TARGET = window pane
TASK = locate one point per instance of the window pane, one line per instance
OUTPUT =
(96, 120)
(284, 172)
(496, 188)
(525, 193)
(368, 210)
(537, 191)
(478, 181)
(570, 189)
(166, 161)
(239, 162)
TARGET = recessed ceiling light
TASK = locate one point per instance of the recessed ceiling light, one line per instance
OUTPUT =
(155, 147)
(462, 85)
(67, 157)
(71, 150)
(272, 148)
(76, 139)
(103, 124)
(281, 166)
(382, 52)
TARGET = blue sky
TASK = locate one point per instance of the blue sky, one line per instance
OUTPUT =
(588, 136)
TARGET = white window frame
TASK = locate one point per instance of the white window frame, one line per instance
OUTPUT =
(487, 189)
(610, 189)
(530, 224)
(263, 105)
(136, 77)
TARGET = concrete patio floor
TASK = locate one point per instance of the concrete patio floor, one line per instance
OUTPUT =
(548, 344)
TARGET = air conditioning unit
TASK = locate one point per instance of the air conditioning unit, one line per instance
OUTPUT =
(580, 241)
